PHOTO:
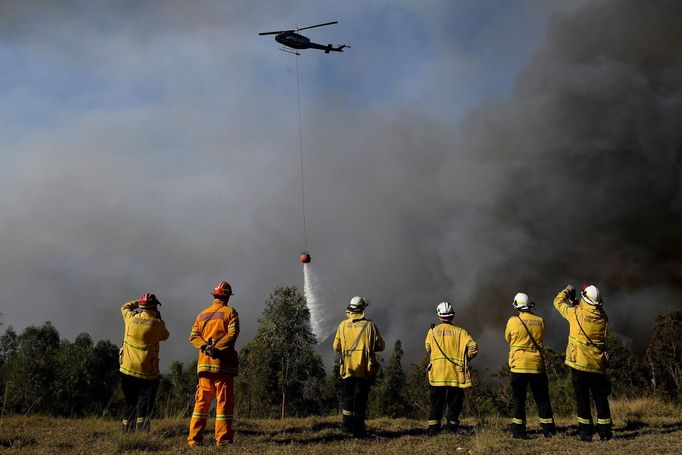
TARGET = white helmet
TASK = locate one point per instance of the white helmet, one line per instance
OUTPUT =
(522, 302)
(357, 304)
(444, 310)
(591, 295)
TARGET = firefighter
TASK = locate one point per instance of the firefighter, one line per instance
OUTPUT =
(525, 333)
(450, 349)
(357, 339)
(139, 360)
(214, 334)
(586, 355)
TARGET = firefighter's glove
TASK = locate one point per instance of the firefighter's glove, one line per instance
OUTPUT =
(571, 292)
(211, 351)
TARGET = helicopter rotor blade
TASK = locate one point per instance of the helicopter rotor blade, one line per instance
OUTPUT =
(318, 25)
(275, 33)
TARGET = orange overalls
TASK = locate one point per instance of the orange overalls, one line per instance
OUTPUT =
(218, 324)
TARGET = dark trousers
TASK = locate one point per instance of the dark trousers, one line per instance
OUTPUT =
(599, 386)
(355, 393)
(540, 387)
(140, 395)
(440, 395)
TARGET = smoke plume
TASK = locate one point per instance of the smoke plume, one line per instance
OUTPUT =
(155, 149)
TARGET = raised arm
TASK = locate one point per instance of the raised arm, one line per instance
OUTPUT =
(128, 308)
(561, 301)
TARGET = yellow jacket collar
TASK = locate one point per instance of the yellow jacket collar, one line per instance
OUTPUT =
(355, 316)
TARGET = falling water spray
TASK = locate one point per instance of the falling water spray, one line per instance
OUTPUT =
(310, 291)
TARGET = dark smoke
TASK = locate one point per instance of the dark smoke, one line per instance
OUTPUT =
(579, 173)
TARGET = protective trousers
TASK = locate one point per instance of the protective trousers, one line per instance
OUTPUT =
(140, 395)
(599, 385)
(454, 396)
(355, 394)
(220, 386)
(540, 387)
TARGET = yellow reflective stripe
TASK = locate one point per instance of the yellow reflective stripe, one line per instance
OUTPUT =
(584, 421)
(582, 367)
(604, 421)
(550, 420)
(452, 383)
(124, 421)
(199, 415)
(215, 368)
(585, 343)
(456, 359)
(523, 346)
(139, 420)
(518, 421)
(223, 416)
(347, 413)
(434, 422)
(137, 374)
(539, 369)
(141, 347)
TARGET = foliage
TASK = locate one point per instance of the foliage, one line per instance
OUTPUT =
(280, 369)
(40, 373)
(390, 397)
(175, 396)
(664, 355)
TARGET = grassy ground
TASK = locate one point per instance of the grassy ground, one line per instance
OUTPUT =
(641, 426)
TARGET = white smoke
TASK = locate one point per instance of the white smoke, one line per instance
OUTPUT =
(312, 297)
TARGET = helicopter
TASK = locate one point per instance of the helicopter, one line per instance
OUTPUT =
(294, 40)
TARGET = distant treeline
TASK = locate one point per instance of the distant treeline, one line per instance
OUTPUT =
(282, 375)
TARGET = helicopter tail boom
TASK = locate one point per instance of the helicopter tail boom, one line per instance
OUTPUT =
(330, 48)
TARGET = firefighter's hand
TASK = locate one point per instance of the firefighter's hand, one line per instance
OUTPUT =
(211, 351)
(203, 348)
(571, 292)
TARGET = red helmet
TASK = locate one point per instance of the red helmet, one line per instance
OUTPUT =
(222, 289)
(148, 300)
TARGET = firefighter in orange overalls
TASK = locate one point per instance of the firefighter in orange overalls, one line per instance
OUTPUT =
(214, 334)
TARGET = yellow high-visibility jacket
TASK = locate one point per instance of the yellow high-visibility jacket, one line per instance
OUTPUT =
(218, 323)
(580, 353)
(358, 360)
(450, 348)
(139, 356)
(524, 357)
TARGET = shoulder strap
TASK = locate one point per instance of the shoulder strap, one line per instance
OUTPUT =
(535, 343)
(357, 340)
(433, 335)
(201, 332)
(589, 340)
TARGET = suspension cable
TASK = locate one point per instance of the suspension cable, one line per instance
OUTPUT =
(300, 147)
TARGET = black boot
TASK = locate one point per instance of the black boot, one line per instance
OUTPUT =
(518, 431)
(452, 426)
(604, 432)
(347, 424)
(128, 426)
(585, 432)
(548, 429)
(359, 430)
(434, 429)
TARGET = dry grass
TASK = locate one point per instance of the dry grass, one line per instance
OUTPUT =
(641, 426)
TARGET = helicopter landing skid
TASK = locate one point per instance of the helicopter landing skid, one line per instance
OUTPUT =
(284, 49)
